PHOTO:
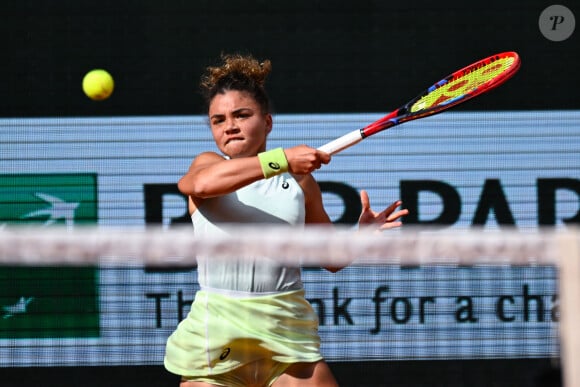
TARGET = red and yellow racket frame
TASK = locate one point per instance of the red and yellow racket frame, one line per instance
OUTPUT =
(458, 87)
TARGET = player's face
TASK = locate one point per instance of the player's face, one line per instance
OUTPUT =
(238, 125)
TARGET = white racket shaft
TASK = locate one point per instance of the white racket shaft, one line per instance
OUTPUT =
(343, 142)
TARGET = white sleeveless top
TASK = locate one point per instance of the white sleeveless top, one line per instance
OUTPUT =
(278, 200)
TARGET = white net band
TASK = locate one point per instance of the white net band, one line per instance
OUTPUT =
(312, 246)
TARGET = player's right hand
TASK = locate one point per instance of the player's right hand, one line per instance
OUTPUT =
(303, 159)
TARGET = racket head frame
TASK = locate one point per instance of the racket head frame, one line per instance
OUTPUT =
(405, 113)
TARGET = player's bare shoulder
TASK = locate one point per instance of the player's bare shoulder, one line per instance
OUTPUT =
(209, 155)
(206, 158)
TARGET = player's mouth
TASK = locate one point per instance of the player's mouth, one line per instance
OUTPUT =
(234, 139)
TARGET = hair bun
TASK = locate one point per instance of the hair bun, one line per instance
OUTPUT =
(237, 66)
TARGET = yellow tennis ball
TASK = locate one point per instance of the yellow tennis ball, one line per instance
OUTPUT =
(98, 84)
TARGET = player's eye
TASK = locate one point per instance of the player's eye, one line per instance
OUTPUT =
(244, 114)
(217, 120)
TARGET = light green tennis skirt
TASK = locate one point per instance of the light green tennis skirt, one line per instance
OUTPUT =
(222, 333)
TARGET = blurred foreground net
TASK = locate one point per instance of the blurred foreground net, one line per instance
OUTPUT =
(110, 296)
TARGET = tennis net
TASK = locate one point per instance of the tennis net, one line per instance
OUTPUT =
(111, 296)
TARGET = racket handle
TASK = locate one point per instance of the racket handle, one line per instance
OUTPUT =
(343, 142)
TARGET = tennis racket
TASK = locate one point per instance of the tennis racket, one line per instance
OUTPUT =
(462, 85)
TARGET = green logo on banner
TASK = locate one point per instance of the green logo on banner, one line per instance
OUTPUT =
(45, 301)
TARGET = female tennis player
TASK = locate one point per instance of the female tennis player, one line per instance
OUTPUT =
(250, 324)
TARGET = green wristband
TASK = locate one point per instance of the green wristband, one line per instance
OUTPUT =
(273, 162)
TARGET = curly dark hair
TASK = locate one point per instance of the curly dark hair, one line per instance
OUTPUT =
(238, 72)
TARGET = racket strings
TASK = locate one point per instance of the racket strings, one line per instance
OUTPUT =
(467, 83)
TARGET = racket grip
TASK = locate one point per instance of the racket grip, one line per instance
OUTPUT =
(342, 143)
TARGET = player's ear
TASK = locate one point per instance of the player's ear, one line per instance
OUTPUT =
(269, 123)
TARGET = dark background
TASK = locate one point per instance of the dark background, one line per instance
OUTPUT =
(328, 56)
(490, 373)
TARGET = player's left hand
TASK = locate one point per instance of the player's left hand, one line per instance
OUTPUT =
(384, 220)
